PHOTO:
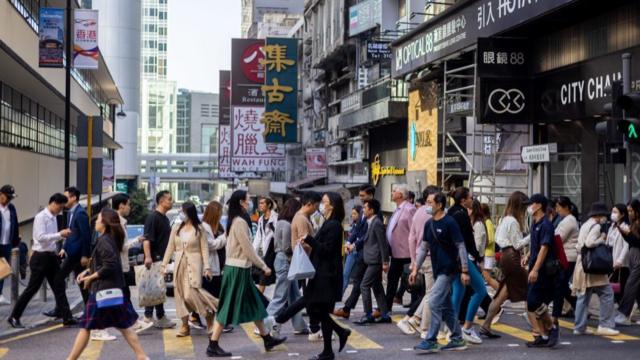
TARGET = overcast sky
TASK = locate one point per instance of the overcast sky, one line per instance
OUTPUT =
(200, 33)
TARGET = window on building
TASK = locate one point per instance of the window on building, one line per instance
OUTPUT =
(209, 138)
(402, 8)
(163, 15)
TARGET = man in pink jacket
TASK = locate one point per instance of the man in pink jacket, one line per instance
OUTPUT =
(398, 230)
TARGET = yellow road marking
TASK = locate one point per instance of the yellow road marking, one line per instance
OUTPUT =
(3, 352)
(510, 330)
(359, 341)
(24, 336)
(175, 347)
(92, 351)
(256, 339)
(621, 337)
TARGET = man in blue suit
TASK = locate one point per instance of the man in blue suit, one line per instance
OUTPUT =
(9, 236)
(75, 254)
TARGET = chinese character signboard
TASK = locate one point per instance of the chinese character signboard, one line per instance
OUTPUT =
(316, 162)
(280, 90)
(249, 151)
(377, 50)
(247, 72)
(503, 57)
(364, 16)
(85, 43)
(224, 155)
(51, 34)
(225, 97)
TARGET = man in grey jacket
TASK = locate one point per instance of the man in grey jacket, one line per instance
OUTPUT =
(376, 258)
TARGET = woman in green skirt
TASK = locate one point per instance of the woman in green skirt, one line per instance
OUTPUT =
(239, 298)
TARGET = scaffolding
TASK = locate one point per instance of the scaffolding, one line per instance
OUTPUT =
(491, 152)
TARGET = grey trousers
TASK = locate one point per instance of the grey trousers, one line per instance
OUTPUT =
(372, 280)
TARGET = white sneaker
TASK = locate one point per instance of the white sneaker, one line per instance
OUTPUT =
(622, 320)
(604, 331)
(471, 336)
(4, 301)
(101, 335)
(164, 323)
(405, 327)
(586, 332)
(316, 336)
(256, 331)
(142, 325)
(415, 324)
(423, 335)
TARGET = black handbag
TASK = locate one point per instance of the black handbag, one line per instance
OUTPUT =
(597, 260)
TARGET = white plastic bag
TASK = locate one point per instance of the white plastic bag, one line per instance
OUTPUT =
(301, 267)
(152, 289)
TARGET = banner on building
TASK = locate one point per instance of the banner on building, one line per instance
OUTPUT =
(225, 97)
(224, 155)
(51, 37)
(247, 72)
(249, 151)
(280, 118)
(107, 175)
(85, 44)
(316, 162)
(422, 154)
(364, 16)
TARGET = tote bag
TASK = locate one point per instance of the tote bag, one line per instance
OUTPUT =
(301, 267)
(152, 289)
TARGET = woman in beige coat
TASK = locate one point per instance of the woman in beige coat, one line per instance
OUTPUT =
(189, 243)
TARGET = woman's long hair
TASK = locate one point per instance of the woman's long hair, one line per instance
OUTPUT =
(516, 207)
(566, 203)
(212, 216)
(459, 194)
(622, 209)
(338, 206)
(635, 224)
(191, 213)
(289, 209)
(235, 207)
(113, 227)
(477, 214)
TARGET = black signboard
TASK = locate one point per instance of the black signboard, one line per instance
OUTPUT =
(225, 97)
(461, 27)
(503, 57)
(505, 100)
(377, 50)
(247, 72)
(579, 91)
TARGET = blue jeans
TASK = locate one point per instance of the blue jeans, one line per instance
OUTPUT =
(349, 262)
(286, 291)
(5, 252)
(442, 308)
(479, 292)
(605, 293)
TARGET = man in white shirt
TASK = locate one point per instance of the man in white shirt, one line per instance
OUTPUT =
(44, 260)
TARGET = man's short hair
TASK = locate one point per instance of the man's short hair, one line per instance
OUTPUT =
(73, 191)
(119, 199)
(160, 195)
(374, 205)
(58, 198)
(368, 189)
(310, 197)
(402, 188)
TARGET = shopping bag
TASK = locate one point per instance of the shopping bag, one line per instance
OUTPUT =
(301, 267)
(5, 268)
(152, 289)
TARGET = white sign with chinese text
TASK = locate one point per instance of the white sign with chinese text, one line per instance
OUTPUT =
(224, 155)
(85, 40)
(249, 151)
(538, 153)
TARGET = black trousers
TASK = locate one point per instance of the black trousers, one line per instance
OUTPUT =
(68, 266)
(322, 311)
(288, 312)
(396, 268)
(563, 291)
(372, 280)
(44, 266)
(357, 274)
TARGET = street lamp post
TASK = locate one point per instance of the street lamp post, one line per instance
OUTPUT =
(67, 99)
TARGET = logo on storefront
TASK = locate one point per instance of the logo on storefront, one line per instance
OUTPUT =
(418, 139)
(378, 171)
(510, 101)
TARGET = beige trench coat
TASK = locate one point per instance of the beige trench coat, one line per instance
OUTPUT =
(194, 249)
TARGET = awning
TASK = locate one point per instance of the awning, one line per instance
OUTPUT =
(305, 181)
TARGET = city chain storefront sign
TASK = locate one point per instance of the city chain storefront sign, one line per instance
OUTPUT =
(378, 171)
(462, 27)
(423, 134)
(505, 100)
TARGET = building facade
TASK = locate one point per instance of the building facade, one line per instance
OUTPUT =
(262, 18)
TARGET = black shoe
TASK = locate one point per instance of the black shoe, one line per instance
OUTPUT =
(270, 342)
(383, 320)
(365, 320)
(52, 313)
(330, 356)
(15, 323)
(538, 342)
(554, 335)
(70, 322)
(489, 334)
(227, 329)
(343, 338)
(214, 350)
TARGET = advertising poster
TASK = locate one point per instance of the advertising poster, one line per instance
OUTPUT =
(51, 37)
(316, 162)
(249, 151)
(107, 175)
(85, 40)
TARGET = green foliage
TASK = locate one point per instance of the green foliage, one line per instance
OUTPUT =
(139, 207)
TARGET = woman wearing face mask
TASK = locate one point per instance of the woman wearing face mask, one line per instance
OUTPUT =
(325, 289)
(106, 274)
(568, 230)
(631, 235)
(584, 285)
(240, 300)
(188, 241)
(509, 237)
(619, 220)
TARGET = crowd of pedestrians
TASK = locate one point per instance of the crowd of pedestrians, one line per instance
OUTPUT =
(443, 249)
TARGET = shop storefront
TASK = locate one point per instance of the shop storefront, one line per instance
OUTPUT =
(388, 161)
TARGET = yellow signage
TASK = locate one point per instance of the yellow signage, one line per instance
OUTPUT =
(422, 140)
(378, 171)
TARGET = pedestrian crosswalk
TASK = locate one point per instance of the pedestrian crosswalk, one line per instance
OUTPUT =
(93, 351)
(177, 347)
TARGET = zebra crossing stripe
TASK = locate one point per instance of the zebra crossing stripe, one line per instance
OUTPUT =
(175, 347)
(622, 337)
(92, 351)
(359, 341)
(257, 340)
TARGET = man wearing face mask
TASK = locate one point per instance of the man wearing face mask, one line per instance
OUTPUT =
(541, 275)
